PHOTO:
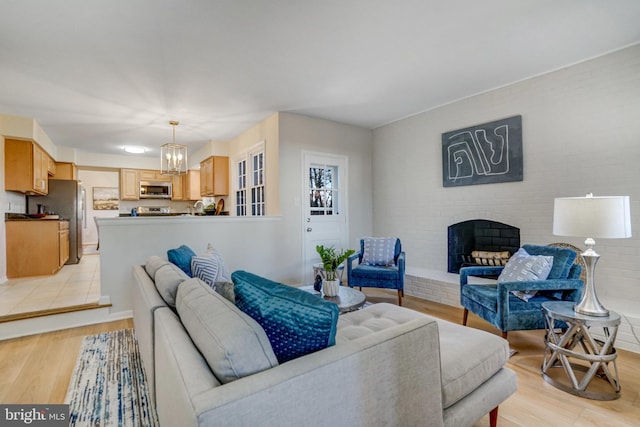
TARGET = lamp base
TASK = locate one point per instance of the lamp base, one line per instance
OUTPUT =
(599, 311)
(589, 304)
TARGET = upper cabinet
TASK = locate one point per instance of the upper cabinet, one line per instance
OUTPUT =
(51, 169)
(64, 170)
(153, 176)
(26, 167)
(129, 184)
(192, 185)
(214, 176)
(177, 187)
(186, 187)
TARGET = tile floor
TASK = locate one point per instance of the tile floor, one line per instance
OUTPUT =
(73, 285)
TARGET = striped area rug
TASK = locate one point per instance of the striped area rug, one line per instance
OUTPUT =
(108, 386)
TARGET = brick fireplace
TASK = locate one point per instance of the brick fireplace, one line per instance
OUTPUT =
(479, 235)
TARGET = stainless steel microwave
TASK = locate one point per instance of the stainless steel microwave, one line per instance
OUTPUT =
(155, 190)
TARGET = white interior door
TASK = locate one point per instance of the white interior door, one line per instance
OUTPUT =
(325, 206)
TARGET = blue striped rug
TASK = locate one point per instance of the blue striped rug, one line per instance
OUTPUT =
(108, 386)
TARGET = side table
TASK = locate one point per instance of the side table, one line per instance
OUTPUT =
(570, 345)
(348, 299)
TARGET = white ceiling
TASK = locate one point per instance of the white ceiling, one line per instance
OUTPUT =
(99, 74)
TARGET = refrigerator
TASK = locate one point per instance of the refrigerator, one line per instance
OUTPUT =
(66, 199)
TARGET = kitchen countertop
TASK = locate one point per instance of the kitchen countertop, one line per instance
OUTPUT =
(24, 217)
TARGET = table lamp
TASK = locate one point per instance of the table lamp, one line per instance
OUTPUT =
(589, 217)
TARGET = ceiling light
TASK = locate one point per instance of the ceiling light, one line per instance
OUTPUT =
(173, 157)
(134, 149)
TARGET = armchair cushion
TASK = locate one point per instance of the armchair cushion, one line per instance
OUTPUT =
(376, 272)
(379, 251)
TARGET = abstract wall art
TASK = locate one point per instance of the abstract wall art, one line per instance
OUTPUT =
(483, 154)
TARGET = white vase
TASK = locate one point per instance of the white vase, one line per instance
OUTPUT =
(330, 288)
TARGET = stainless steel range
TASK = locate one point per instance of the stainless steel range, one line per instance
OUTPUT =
(153, 210)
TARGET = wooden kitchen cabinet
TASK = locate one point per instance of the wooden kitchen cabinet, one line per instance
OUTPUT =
(214, 176)
(186, 187)
(129, 184)
(153, 176)
(177, 187)
(65, 170)
(51, 167)
(192, 185)
(36, 247)
(26, 167)
(63, 242)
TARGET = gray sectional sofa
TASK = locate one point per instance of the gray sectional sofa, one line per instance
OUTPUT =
(208, 364)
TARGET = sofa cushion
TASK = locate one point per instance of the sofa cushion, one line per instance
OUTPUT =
(182, 258)
(153, 264)
(468, 357)
(167, 279)
(296, 322)
(232, 343)
(371, 319)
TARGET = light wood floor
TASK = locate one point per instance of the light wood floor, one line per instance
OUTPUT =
(37, 369)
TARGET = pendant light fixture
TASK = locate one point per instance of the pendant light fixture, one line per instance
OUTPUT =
(173, 157)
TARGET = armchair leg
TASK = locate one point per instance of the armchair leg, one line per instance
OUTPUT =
(504, 334)
(493, 417)
(465, 315)
(400, 293)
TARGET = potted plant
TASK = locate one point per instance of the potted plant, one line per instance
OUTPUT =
(331, 260)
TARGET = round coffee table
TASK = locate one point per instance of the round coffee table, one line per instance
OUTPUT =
(348, 299)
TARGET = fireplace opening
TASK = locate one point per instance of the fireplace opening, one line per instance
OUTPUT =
(479, 235)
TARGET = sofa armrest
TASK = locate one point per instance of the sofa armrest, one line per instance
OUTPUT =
(353, 383)
(145, 300)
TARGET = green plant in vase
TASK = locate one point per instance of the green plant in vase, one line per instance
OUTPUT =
(331, 260)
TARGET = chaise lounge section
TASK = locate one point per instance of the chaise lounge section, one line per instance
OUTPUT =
(389, 366)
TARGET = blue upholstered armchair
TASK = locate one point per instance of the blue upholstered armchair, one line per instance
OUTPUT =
(496, 303)
(377, 267)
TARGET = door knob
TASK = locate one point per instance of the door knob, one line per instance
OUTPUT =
(309, 229)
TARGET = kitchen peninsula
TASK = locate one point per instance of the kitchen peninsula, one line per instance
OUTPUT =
(246, 243)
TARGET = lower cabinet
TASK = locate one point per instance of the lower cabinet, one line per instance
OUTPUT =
(36, 247)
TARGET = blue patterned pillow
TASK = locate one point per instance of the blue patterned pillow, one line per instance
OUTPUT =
(296, 322)
(379, 250)
(182, 258)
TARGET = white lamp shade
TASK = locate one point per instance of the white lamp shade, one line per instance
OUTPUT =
(595, 217)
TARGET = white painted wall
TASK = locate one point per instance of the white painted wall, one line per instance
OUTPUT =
(91, 179)
(581, 133)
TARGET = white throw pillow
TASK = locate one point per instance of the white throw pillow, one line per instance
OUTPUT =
(379, 251)
(523, 267)
(209, 267)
